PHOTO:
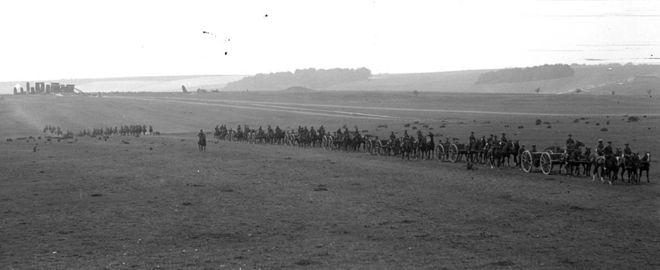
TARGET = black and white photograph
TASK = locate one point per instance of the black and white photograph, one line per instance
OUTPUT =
(317, 134)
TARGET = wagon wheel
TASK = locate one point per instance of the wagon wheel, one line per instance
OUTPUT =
(546, 163)
(526, 161)
(453, 153)
(440, 152)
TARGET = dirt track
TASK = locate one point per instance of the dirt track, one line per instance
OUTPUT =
(158, 203)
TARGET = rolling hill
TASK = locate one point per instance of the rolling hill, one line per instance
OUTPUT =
(584, 79)
(596, 79)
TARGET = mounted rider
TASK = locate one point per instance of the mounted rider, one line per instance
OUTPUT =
(570, 142)
(321, 131)
(472, 139)
(608, 151)
(627, 151)
(392, 136)
(503, 139)
(313, 133)
(599, 147)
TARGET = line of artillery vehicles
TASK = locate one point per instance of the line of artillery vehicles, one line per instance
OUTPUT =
(544, 161)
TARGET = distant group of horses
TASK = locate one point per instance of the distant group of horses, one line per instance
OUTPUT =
(574, 159)
(103, 132)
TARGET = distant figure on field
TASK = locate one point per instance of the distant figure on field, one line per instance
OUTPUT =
(202, 141)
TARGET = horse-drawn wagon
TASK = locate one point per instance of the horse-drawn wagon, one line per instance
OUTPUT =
(456, 151)
(545, 161)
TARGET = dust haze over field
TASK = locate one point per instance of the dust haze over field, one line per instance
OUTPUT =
(156, 202)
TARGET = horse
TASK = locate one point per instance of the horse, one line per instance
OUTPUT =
(630, 165)
(406, 147)
(428, 147)
(201, 143)
(472, 151)
(597, 166)
(611, 167)
(507, 152)
(644, 166)
(495, 156)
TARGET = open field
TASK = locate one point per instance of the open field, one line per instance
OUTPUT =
(158, 203)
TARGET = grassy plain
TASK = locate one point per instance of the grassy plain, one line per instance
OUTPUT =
(155, 202)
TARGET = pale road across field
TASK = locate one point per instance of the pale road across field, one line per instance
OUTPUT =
(277, 106)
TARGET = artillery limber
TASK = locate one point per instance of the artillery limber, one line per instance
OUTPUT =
(457, 151)
(545, 161)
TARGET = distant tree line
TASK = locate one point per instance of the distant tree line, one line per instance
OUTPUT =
(309, 78)
(512, 75)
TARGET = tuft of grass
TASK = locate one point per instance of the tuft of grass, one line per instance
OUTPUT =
(603, 129)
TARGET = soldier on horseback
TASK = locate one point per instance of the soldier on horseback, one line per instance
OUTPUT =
(608, 151)
(321, 131)
(313, 135)
(599, 147)
(570, 142)
(503, 139)
(392, 137)
(627, 151)
(472, 139)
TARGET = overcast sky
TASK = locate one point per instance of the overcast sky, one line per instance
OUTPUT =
(83, 39)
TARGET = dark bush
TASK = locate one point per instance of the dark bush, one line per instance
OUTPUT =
(538, 122)
(521, 127)
(407, 125)
(633, 119)
(603, 129)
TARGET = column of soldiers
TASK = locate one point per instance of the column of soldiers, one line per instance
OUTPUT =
(123, 130)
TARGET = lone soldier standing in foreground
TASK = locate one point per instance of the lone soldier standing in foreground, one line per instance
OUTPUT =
(202, 141)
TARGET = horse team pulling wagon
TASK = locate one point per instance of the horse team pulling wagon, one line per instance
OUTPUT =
(493, 152)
